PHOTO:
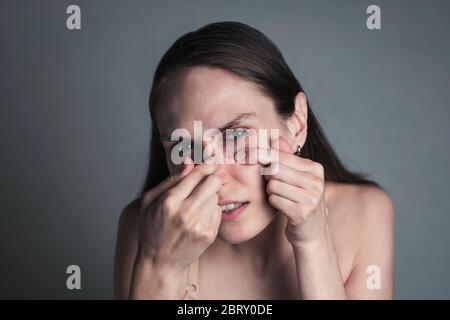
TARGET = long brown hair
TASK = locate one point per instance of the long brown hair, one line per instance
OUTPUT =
(249, 54)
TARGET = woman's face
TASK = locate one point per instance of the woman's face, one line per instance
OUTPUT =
(217, 98)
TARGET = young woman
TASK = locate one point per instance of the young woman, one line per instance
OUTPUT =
(310, 230)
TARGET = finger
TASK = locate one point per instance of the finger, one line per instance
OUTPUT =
(259, 156)
(186, 185)
(281, 203)
(288, 191)
(203, 192)
(171, 180)
(294, 161)
(206, 220)
(293, 177)
(279, 151)
(288, 157)
(215, 219)
(213, 216)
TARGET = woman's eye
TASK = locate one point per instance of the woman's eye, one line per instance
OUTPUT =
(235, 134)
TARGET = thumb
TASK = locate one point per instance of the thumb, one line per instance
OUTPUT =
(171, 180)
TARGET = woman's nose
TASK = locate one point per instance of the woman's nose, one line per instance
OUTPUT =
(223, 174)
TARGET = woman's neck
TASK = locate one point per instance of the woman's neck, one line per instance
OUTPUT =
(266, 250)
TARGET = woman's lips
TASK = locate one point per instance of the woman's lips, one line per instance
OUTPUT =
(233, 214)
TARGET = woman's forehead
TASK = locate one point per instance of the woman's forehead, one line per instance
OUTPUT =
(212, 96)
(202, 90)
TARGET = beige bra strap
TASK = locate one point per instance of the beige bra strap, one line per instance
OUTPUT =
(192, 286)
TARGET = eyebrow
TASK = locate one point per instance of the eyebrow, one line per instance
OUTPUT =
(240, 118)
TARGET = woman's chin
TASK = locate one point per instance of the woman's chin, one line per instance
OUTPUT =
(244, 229)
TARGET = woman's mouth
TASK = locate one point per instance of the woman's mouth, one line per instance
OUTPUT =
(232, 210)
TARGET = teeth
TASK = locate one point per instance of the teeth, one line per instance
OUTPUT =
(231, 206)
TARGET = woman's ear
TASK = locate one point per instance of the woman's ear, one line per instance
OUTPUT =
(297, 123)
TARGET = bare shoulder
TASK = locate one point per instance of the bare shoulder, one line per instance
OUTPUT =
(130, 213)
(128, 226)
(376, 221)
(360, 203)
(126, 246)
(361, 219)
(375, 209)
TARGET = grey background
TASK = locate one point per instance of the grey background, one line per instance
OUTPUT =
(75, 127)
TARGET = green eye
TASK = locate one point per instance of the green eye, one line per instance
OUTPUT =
(234, 134)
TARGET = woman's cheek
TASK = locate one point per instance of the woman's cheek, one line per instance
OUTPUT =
(250, 176)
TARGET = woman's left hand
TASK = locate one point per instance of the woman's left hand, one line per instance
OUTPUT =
(296, 188)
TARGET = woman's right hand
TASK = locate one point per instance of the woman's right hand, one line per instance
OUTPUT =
(180, 218)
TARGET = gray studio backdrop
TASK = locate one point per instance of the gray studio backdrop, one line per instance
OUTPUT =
(75, 127)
